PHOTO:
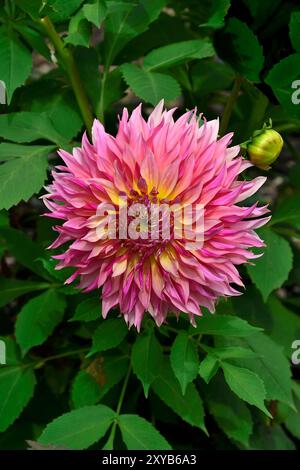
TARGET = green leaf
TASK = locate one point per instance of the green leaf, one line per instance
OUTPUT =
(34, 39)
(292, 421)
(17, 385)
(79, 30)
(222, 325)
(294, 30)
(177, 53)
(15, 61)
(184, 360)
(270, 438)
(92, 384)
(27, 127)
(239, 46)
(232, 352)
(231, 413)
(284, 80)
(246, 385)
(287, 211)
(209, 76)
(189, 407)
(58, 104)
(272, 269)
(284, 324)
(270, 365)
(108, 335)
(80, 428)
(209, 367)
(32, 7)
(38, 318)
(25, 250)
(12, 288)
(87, 61)
(88, 310)
(150, 86)
(95, 12)
(146, 359)
(23, 176)
(138, 434)
(218, 11)
(126, 20)
(60, 10)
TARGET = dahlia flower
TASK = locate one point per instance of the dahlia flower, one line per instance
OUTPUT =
(156, 161)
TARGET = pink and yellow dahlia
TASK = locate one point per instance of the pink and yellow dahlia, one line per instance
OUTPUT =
(156, 161)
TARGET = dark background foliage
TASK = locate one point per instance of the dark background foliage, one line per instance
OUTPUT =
(73, 380)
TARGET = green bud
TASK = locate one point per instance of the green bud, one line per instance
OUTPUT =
(264, 148)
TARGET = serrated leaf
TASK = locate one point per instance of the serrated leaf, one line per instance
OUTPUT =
(246, 385)
(222, 325)
(287, 211)
(189, 407)
(270, 438)
(108, 335)
(284, 79)
(184, 360)
(22, 177)
(292, 420)
(25, 250)
(294, 30)
(79, 30)
(218, 11)
(177, 53)
(80, 428)
(239, 46)
(232, 352)
(60, 10)
(150, 86)
(17, 385)
(27, 127)
(138, 434)
(272, 269)
(12, 288)
(93, 383)
(88, 310)
(147, 359)
(34, 39)
(231, 413)
(15, 61)
(126, 20)
(209, 367)
(271, 366)
(38, 318)
(95, 12)
(58, 104)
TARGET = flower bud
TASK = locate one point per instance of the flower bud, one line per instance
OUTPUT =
(264, 148)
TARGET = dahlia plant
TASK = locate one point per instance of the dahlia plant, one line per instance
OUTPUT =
(149, 227)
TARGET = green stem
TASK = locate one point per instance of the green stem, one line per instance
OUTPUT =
(70, 66)
(100, 110)
(230, 104)
(42, 361)
(110, 443)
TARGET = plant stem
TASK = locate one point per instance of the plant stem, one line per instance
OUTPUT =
(110, 443)
(42, 361)
(230, 104)
(100, 110)
(70, 66)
